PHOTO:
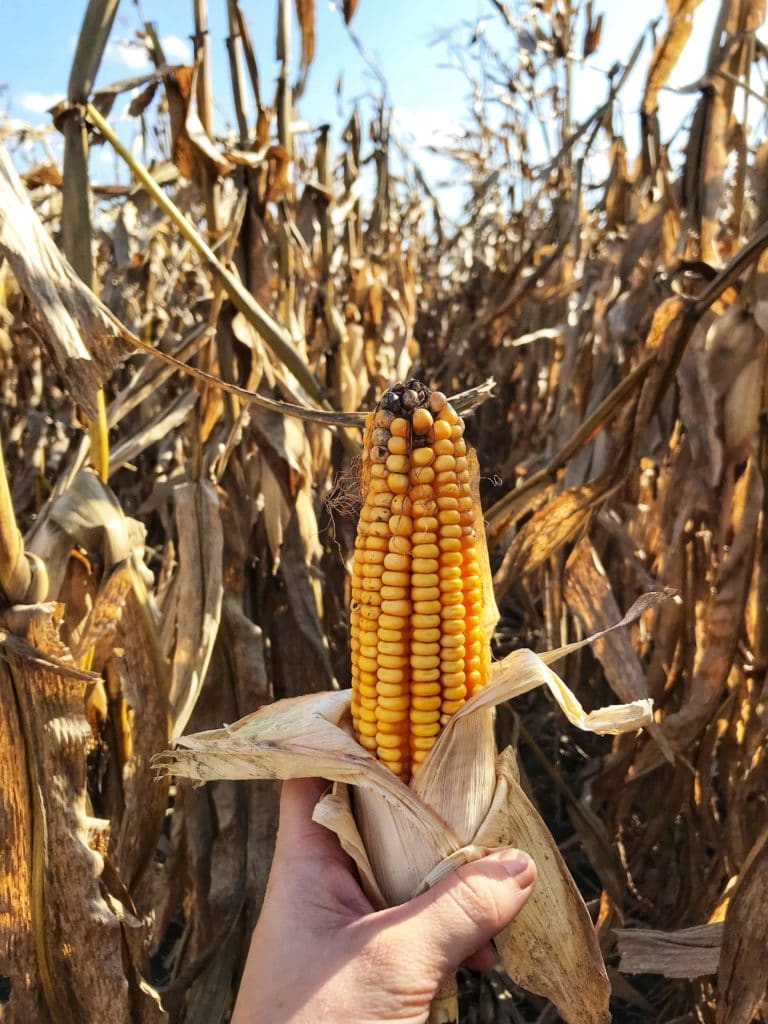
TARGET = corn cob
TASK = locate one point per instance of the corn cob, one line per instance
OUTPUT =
(416, 622)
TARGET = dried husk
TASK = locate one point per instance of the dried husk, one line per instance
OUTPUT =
(88, 514)
(551, 947)
(462, 803)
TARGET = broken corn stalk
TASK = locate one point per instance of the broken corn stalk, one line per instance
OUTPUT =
(420, 788)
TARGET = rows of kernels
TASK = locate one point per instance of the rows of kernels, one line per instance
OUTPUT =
(367, 569)
(416, 620)
(426, 686)
(471, 579)
(393, 637)
(357, 561)
(449, 547)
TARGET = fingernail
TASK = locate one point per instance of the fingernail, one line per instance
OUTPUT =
(517, 865)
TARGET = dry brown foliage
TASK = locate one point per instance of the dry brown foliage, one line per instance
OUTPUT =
(204, 572)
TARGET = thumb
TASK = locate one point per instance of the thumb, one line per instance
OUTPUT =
(466, 909)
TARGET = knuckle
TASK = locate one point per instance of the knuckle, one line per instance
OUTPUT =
(478, 901)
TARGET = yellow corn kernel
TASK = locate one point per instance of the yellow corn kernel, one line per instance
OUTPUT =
(393, 578)
(448, 414)
(425, 729)
(426, 703)
(424, 649)
(399, 703)
(388, 621)
(398, 445)
(441, 431)
(399, 545)
(422, 456)
(397, 483)
(396, 562)
(422, 420)
(426, 690)
(385, 689)
(398, 464)
(395, 678)
(424, 717)
(388, 740)
(401, 525)
(425, 636)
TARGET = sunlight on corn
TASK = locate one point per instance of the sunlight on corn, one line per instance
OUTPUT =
(416, 636)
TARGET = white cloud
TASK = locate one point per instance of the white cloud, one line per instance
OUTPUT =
(428, 127)
(132, 55)
(439, 129)
(135, 56)
(39, 102)
(177, 49)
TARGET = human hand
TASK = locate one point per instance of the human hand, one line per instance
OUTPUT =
(320, 954)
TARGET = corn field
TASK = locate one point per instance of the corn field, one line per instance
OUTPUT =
(187, 356)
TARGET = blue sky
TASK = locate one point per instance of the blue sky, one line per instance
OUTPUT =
(38, 41)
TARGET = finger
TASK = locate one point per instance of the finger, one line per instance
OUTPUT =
(301, 842)
(466, 909)
(306, 851)
(483, 959)
(297, 802)
(297, 832)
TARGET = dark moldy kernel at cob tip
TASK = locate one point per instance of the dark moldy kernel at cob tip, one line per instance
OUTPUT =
(416, 622)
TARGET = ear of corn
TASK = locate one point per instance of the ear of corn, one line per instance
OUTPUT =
(422, 617)
(418, 646)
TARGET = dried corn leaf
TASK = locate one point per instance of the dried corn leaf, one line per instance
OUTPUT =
(334, 812)
(349, 8)
(705, 166)
(550, 948)
(305, 12)
(78, 334)
(687, 953)
(195, 132)
(742, 973)
(18, 959)
(590, 597)
(294, 738)
(549, 529)
(138, 691)
(741, 407)
(199, 590)
(731, 343)
(668, 50)
(724, 607)
(67, 903)
(760, 290)
(178, 88)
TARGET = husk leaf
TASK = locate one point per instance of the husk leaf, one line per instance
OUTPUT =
(334, 812)
(296, 738)
(463, 761)
(462, 803)
(551, 947)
